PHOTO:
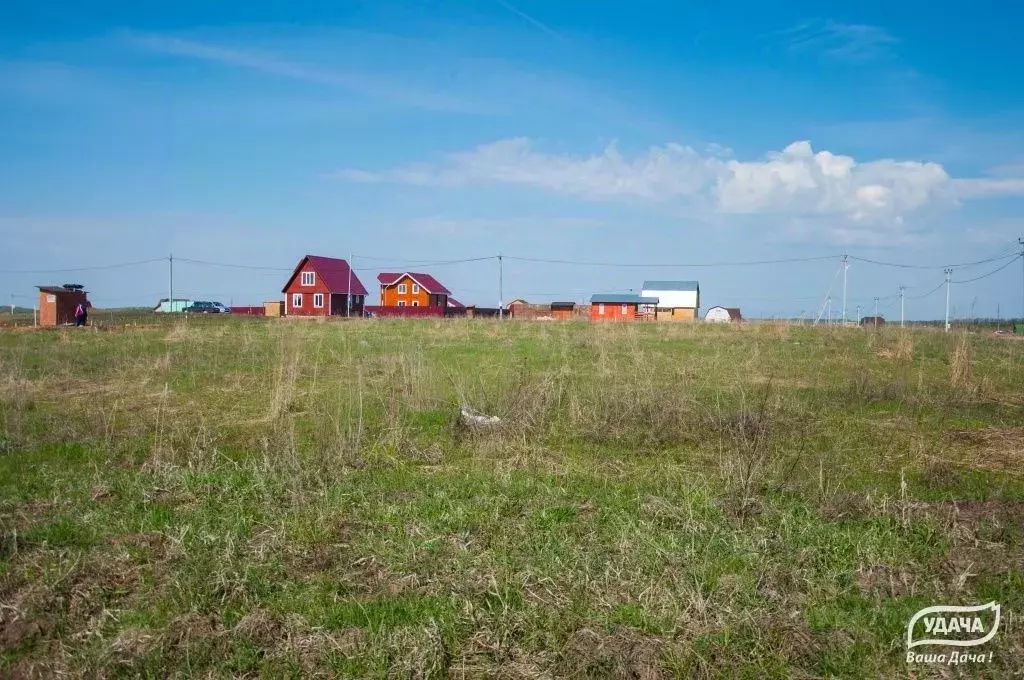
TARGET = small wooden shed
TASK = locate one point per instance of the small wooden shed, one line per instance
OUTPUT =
(273, 308)
(563, 310)
(57, 303)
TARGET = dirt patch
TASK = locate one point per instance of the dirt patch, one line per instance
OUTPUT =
(992, 448)
(261, 626)
(626, 654)
(154, 542)
(881, 580)
(19, 630)
(847, 506)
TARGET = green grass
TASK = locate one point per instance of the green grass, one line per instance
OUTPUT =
(225, 496)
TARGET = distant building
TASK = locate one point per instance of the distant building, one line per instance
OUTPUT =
(677, 300)
(175, 305)
(563, 310)
(516, 307)
(411, 289)
(622, 307)
(723, 315)
(273, 308)
(323, 286)
(872, 321)
(57, 304)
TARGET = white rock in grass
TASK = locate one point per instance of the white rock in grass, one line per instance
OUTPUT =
(473, 419)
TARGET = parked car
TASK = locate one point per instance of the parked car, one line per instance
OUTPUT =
(202, 307)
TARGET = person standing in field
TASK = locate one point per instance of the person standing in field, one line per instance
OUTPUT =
(80, 315)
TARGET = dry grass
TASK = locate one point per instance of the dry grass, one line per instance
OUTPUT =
(668, 500)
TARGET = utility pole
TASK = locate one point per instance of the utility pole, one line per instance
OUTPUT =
(348, 291)
(501, 288)
(846, 265)
(1021, 242)
(948, 272)
(829, 310)
(858, 313)
(902, 302)
(170, 279)
(876, 310)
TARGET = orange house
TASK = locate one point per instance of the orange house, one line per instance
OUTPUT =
(622, 307)
(411, 289)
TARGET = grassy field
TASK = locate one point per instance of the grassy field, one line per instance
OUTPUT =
(227, 496)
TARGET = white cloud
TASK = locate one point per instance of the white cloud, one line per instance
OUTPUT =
(985, 187)
(371, 85)
(867, 198)
(796, 180)
(843, 42)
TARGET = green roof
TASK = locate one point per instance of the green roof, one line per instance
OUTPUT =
(623, 298)
(691, 286)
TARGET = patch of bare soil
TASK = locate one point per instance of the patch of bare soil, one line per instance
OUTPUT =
(627, 654)
(881, 580)
(262, 627)
(992, 448)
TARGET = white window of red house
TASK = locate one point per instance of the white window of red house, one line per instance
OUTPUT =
(401, 303)
(296, 299)
(318, 299)
(415, 303)
(415, 288)
(624, 307)
(600, 309)
(308, 278)
(401, 289)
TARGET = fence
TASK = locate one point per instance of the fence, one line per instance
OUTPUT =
(249, 311)
(407, 312)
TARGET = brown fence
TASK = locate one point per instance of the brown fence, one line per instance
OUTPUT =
(407, 312)
(249, 311)
(530, 312)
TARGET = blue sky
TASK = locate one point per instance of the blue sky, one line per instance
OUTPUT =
(644, 132)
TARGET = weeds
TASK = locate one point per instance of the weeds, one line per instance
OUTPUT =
(239, 498)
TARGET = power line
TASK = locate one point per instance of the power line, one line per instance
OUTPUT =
(441, 263)
(927, 266)
(582, 263)
(420, 262)
(994, 271)
(931, 292)
(233, 266)
(80, 269)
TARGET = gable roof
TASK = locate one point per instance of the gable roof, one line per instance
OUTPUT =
(625, 298)
(333, 272)
(452, 302)
(689, 286)
(426, 281)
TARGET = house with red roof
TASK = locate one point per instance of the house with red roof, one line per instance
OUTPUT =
(412, 289)
(323, 286)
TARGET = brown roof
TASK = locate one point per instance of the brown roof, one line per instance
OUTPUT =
(60, 289)
(734, 313)
(428, 282)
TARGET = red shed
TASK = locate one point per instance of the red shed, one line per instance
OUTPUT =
(57, 303)
(323, 286)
